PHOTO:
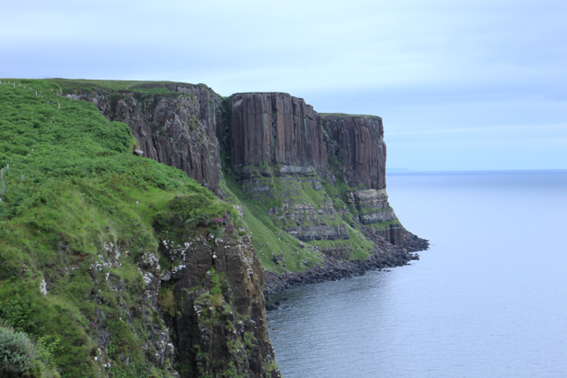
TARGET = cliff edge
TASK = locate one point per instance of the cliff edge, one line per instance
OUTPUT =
(141, 222)
(311, 187)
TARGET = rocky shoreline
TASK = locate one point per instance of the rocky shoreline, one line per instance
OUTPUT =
(385, 255)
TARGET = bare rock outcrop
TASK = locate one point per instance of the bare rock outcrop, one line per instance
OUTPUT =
(372, 206)
(177, 128)
(357, 142)
(274, 128)
(213, 300)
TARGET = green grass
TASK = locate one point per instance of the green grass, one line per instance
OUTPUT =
(68, 86)
(75, 85)
(267, 238)
(271, 240)
(72, 188)
(360, 247)
(344, 115)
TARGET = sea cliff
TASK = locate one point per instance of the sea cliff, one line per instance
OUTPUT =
(162, 267)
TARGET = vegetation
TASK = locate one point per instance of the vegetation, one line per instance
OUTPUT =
(109, 86)
(77, 215)
(263, 212)
(79, 211)
(325, 115)
(278, 250)
(21, 356)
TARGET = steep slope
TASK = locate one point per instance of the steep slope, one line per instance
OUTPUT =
(118, 265)
(314, 188)
(127, 267)
(174, 123)
(310, 187)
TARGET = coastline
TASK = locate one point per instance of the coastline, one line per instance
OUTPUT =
(386, 255)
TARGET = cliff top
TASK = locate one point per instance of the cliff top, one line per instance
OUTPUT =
(328, 116)
(72, 85)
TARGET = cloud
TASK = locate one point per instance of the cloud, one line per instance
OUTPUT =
(443, 66)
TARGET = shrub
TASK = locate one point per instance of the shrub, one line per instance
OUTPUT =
(21, 357)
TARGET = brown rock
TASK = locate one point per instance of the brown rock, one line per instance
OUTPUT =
(357, 143)
(274, 128)
(176, 128)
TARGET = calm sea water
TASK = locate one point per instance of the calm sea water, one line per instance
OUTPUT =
(489, 299)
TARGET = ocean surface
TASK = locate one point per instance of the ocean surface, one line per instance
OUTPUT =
(488, 299)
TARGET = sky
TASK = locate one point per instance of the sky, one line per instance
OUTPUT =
(460, 84)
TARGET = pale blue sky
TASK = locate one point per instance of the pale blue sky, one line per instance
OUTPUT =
(460, 84)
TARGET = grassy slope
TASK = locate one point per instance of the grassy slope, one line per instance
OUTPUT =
(269, 237)
(72, 188)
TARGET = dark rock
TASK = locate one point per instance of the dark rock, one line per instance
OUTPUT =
(125, 360)
(177, 128)
(357, 142)
(165, 275)
(203, 325)
(386, 254)
(100, 323)
(274, 128)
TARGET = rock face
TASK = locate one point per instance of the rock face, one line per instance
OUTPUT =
(176, 128)
(274, 128)
(206, 325)
(357, 153)
(372, 206)
(268, 130)
(358, 143)
(213, 300)
(318, 181)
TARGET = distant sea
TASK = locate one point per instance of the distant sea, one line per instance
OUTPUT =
(488, 299)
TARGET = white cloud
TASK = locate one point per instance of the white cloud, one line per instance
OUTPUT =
(434, 65)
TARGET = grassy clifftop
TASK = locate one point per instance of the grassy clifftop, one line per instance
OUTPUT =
(74, 192)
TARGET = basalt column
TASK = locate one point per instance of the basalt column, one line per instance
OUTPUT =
(275, 128)
(356, 144)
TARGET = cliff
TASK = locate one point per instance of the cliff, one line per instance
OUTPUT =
(123, 266)
(357, 143)
(274, 128)
(298, 176)
(174, 123)
(116, 265)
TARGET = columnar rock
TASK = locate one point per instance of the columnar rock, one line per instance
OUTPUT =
(358, 143)
(272, 141)
(275, 128)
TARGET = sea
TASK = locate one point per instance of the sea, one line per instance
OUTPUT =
(488, 299)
